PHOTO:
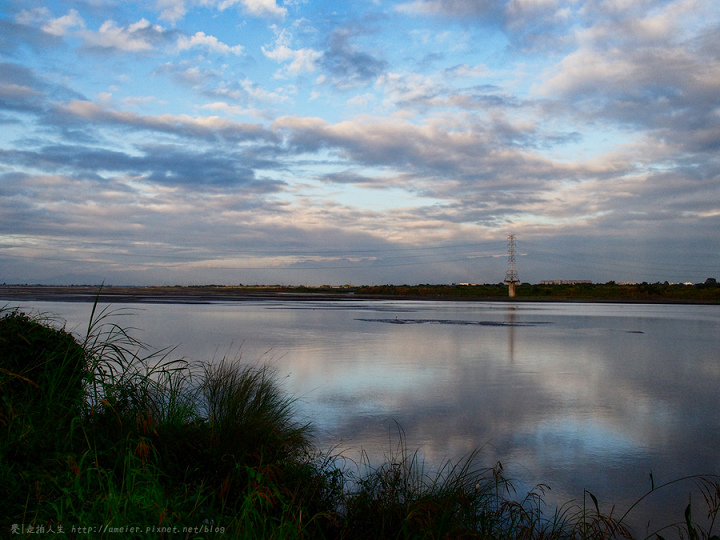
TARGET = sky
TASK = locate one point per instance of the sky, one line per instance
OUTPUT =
(309, 142)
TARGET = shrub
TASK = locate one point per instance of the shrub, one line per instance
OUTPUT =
(42, 375)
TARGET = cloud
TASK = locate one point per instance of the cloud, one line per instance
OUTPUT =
(16, 94)
(349, 177)
(348, 66)
(644, 73)
(453, 8)
(256, 92)
(234, 110)
(540, 31)
(62, 25)
(405, 88)
(118, 227)
(210, 83)
(139, 37)
(440, 90)
(33, 17)
(155, 164)
(300, 60)
(188, 74)
(257, 8)
(14, 36)
(22, 90)
(361, 101)
(442, 161)
(206, 127)
(467, 71)
(200, 39)
(136, 101)
(19, 89)
(478, 176)
(172, 10)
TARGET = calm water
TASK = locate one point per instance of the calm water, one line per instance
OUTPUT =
(576, 396)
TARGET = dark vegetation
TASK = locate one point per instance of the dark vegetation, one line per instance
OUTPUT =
(101, 439)
(642, 292)
(706, 292)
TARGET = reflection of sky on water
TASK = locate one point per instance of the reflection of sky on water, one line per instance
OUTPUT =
(574, 395)
(573, 440)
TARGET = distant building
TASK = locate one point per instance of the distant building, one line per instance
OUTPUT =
(566, 282)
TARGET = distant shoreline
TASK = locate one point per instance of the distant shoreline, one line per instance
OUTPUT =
(210, 294)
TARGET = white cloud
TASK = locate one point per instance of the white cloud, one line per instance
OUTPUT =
(136, 101)
(227, 92)
(524, 6)
(362, 100)
(180, 124)
(33, 16)
(300, 60)
(257, 8)
(104, 97)
(187, 74)
(138, 37)
(403, 87)
(647, 58)
(225, 108)
(419, 7)
(257, 92)
(466, 71)
(200, 39)
(172, 10)
(61, 25)
(586, 68)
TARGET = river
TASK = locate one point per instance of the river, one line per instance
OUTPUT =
(578, 396)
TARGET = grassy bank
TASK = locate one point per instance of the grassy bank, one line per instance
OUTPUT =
(101, 437)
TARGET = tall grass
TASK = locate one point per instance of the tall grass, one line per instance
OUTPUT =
(99, 435)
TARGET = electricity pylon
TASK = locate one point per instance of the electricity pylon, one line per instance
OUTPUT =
(511, 276)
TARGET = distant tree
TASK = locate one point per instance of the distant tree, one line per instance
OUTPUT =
(711, 281)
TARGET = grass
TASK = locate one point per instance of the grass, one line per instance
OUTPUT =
(100, 437)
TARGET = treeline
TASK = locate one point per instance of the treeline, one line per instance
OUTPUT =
(709, 291)
(435, 291)
(704, 292)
